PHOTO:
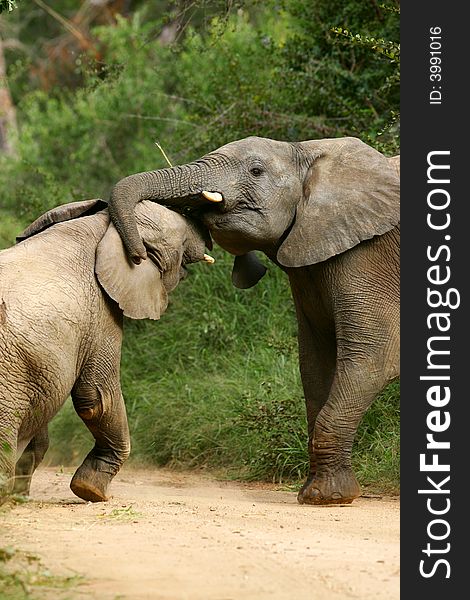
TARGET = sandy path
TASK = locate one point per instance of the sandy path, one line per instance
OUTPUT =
(174, 536)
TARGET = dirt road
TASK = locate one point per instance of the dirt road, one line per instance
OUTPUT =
(171, 536)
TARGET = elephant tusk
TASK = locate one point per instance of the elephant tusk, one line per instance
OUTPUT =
(209, 259)
(213, 196)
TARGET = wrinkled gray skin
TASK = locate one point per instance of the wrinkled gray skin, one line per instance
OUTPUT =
(61, 330)
(327, 213)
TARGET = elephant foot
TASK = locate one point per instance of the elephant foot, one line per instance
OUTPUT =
(22, 485)
(91, 484)
(6, 486)
(340, 487)
(5, 493)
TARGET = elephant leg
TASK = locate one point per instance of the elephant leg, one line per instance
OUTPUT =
(29, 461)
(104, 413)
(355, 386)
(366, 325)
(8, 444)
(317, 357)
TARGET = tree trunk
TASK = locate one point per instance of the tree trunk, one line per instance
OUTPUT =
(8, 127)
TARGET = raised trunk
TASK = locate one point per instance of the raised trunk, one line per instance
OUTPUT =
(172, 187)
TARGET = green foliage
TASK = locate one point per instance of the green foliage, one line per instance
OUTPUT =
(389, 49)
(7, 5)
(324, 74)
(386, 138)
(23, 577)
(376, 451)
(215, 382)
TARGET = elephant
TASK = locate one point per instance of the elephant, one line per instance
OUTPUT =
(64, 289)
(327, 213)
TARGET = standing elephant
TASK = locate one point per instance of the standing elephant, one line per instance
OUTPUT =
(63, 292)
(327, 213)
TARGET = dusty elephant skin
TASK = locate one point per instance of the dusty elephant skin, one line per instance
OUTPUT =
(63, 292)
(327, 213)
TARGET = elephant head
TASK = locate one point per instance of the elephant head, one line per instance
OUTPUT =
(171, 242)
(301, 203)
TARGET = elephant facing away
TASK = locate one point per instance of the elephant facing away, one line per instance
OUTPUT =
(63, 292)
(327, 213)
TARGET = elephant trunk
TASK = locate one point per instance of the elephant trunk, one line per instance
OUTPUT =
(173, 186)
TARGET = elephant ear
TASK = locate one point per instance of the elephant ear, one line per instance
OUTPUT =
(64, 212)
(247, 270)
(142, 290)
(351, 193)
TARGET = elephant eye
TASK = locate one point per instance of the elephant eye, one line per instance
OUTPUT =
(256, 171)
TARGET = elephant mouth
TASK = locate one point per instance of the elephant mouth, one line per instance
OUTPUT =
(195, 204)
(206, 209)
(197, 208)
(214, 220)
(234, 238)
(185, 204)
